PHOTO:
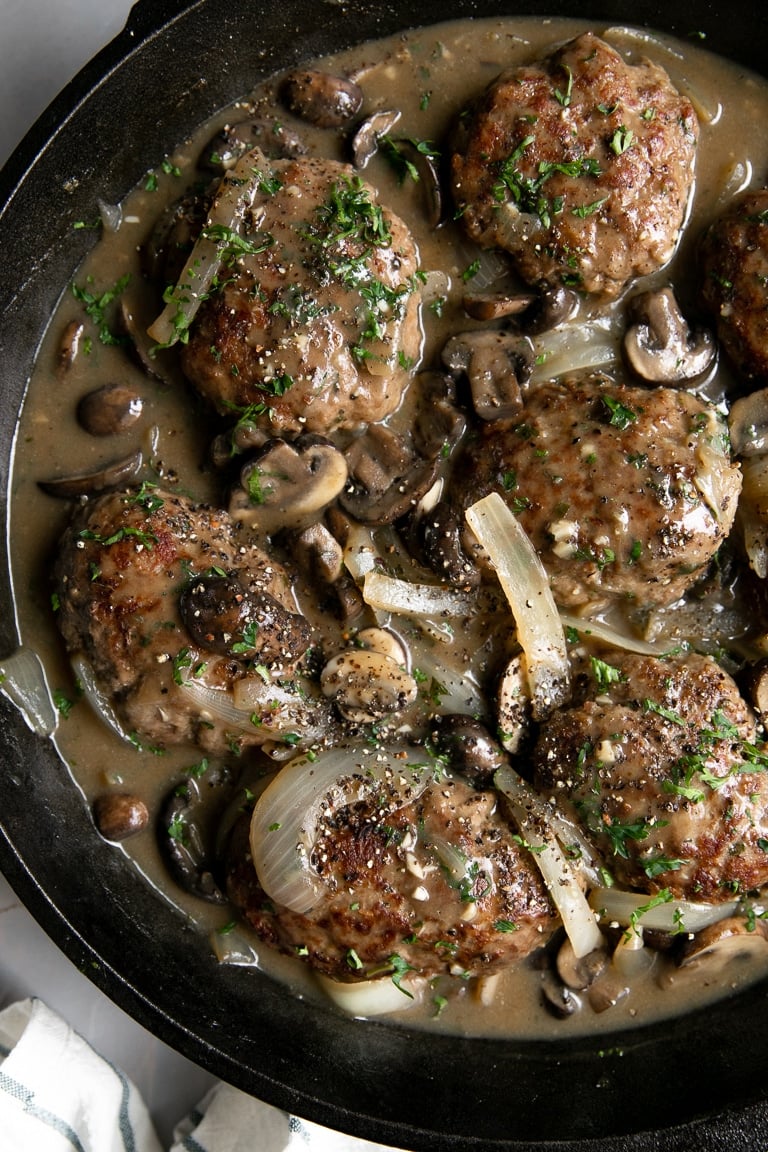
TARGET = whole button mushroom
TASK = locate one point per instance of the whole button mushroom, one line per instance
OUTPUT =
(323, 100)
(109, 410)
(119, 815)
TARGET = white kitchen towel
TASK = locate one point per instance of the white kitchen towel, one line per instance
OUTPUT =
(58, 1095)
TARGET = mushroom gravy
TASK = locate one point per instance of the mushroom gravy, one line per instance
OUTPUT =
(433, 72)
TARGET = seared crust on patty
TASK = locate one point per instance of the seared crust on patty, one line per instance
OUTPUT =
(580, 166)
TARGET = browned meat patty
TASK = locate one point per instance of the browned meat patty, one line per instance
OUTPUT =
(580, 166)
(394, 889)
(734, 281)
(659, 761)
(625, 492)
(158, 594)
(316, 321)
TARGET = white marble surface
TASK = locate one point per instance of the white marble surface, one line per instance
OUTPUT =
(43, 43)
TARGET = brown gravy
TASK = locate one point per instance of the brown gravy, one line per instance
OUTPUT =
(431, 73)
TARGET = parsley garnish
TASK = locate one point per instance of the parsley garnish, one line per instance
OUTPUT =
(605, 674)
(620, 416)
(96, 305)
(622, 139)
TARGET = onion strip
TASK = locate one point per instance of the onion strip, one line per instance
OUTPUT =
(404, 598)
(526, 586)
(595, 629)
(365, 998)
(234, 196)
(574, 347)
(287, 815)
(638, 909)
(578, 918)
(24, 683)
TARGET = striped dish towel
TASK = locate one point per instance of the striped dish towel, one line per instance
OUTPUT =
(58, 1095)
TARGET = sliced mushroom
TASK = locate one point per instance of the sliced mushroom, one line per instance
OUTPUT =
(558, 999)
(468, 745)
(748, 424)
(318, 553)
(717, 946)
(513, 706)
(224, 617)
(69, 347)
(365, 142)
(367, 684)
(416, 160)
(549, 308)
(497, 364)
(440, 533)
(99, 480)
(274, 138)
(579, 972)
(659, 345)
(438, 424)
(142, 345)
(110, 409)
(288, 484)
(607, 991)
(385, 479)
(487, 306)
(243, 438)
(756, 687)
(181, 844)
(323, 100)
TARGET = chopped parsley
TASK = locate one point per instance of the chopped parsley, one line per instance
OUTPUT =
(619, 415)
(526, 191)
(96, 305)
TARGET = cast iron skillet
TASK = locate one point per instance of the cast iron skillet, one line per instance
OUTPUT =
(698, 1082)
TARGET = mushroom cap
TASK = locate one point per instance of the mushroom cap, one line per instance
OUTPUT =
(660, 347)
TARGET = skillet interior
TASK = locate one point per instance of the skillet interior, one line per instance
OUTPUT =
(114, 122)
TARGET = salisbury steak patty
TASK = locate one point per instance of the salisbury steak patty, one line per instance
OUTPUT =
(316, 321)
(659, 761)
(166, 604)
(625, 492)
(734, 281)
(580, 166)
(436, 881)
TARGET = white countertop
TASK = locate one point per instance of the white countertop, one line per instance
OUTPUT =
(43, 43)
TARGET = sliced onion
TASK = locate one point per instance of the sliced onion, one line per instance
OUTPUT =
(614, 905)
(753, 512)
(96, 696)
(578, 918)
(711, 456)
(372, 997)
(575, 347)
(597, 630)
(235, 194)
(404, 598)
(631, 958)
(458, 691)
(24, 683)
(231, 946)
(287, 814)
(638, 36)
(360, 552)
(526, 586)
(254, 705)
